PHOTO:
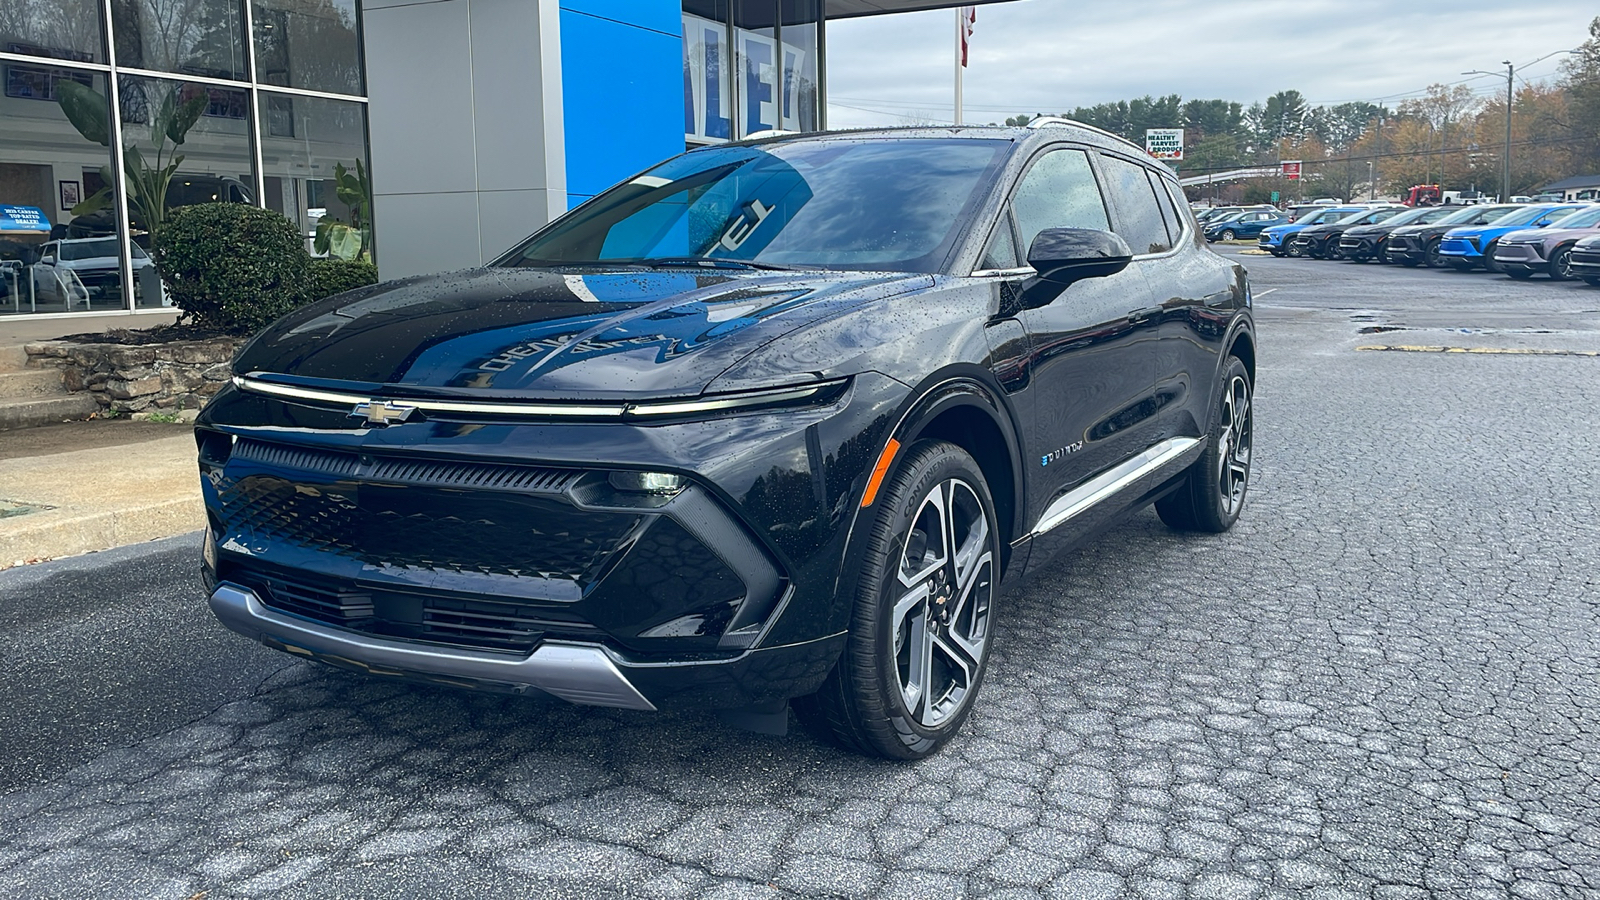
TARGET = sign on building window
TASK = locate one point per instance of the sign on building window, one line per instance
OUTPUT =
(767, 100)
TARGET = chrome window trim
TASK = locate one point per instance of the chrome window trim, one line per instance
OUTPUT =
(1017, 272)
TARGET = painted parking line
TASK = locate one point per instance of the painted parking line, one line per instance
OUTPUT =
(1505, 351)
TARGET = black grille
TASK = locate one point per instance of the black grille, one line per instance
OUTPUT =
(423, 515)
(478, 623)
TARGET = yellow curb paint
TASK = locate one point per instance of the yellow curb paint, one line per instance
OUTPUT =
(1502, 351)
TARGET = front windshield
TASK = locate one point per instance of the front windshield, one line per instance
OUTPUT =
(1583, 218)
(850, 204)
(1524, 216)
(1476, 214)
(96, 249)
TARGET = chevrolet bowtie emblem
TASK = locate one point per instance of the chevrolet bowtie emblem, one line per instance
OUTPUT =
(379, 413)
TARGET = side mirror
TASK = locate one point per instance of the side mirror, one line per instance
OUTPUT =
(1062, 256)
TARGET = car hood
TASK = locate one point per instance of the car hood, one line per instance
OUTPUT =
(1546, 235)
(542, 334)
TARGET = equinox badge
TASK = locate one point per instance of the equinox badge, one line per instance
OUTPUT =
(379, 413)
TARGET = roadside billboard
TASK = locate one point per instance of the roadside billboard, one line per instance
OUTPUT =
(1164, 143)
(1291, 169)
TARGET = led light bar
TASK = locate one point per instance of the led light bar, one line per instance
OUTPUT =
(648, 409)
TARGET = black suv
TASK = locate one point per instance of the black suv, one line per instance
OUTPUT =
(1416, 245)
(1323, 241)
(771, 420)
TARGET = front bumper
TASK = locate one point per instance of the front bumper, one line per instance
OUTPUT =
(589, 674)
(1586, 263)
(1518, 257)
(1460, 249)
(462, 553)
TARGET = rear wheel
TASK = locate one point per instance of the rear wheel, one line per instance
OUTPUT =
(1213, 490)
(1561, 264)
(924, 612)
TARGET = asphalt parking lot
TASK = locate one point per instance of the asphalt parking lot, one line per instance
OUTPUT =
(1384, 683)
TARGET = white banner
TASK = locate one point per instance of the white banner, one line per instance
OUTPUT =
(708, 93)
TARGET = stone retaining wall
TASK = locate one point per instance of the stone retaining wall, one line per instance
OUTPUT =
(175, 376)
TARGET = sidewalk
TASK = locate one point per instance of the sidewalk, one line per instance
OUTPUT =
(83, 486)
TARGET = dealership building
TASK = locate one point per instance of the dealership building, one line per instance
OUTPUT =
(476, 121)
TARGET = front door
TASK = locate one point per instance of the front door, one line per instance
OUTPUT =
(1092, 347)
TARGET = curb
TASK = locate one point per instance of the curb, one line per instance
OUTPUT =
(52, 534)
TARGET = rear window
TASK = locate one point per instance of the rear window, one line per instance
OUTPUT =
(1139, 219)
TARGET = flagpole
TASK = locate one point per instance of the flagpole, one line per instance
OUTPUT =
(960, 37)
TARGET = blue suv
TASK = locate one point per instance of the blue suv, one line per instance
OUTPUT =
(1273, 239)
(1468, 248)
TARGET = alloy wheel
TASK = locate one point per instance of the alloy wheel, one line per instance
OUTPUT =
(1434, 259)
(1561, 265)
(1233, 445)
(1228, 235)
(941, 618)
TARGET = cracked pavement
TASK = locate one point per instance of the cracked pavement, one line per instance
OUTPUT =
(1381, 684)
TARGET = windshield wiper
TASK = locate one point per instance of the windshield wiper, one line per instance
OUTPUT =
(711, 262)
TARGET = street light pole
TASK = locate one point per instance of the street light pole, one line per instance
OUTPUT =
(1505, 162)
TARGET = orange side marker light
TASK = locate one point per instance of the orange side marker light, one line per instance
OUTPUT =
(878, 471)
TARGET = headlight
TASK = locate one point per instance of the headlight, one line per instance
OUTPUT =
(648, 482)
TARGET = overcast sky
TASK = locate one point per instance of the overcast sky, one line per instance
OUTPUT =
(1052, 55)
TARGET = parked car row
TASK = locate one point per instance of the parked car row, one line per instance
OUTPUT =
(1561, 240)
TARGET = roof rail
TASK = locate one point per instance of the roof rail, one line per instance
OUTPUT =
(1047, 121)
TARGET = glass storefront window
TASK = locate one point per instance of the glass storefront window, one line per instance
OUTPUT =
(707, 71)
(187, 37)
(305, 143)
(308, 44)
(767, 79)
(58, 29)
(799, 68)
(205, 131)
(58, 244)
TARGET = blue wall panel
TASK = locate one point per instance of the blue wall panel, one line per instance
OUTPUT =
(622, 88)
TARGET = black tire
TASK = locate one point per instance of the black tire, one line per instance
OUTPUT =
(1335, 251)
(1431, 255)
(1519, 274)
(1293, 251)
(1561, 264)
(863, 705)
(1229, 235)
(1213, 491)
(1489, 265)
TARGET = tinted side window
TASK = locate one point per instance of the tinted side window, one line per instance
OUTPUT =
(1002, 252)
(1060, 191)
(1139, 220)
(1169, 211)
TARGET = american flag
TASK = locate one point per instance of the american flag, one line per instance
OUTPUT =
(968, 17)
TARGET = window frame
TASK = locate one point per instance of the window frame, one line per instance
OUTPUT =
(1007, 217)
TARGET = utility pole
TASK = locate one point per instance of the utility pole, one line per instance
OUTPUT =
(1505, 162)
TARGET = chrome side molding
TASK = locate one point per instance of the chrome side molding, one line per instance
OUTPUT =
(575, 672)
(1110, 482)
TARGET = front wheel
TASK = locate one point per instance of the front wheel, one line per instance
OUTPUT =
(924, 611)
(1435, 261)
(1213, 490)
(1228, 235)
(1561, 265)
(1489, 265)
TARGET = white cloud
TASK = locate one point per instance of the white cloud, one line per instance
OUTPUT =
(1051, 55)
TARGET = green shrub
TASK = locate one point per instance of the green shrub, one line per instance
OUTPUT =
(233, 266)
(335, 276)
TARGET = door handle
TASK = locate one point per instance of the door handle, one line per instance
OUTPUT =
(1140, 316)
